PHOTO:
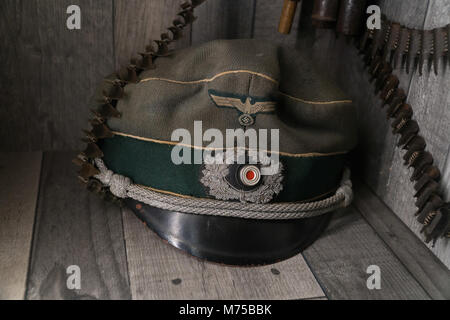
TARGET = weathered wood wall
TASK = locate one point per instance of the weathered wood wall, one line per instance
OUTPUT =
(49, 73)
(429, 95)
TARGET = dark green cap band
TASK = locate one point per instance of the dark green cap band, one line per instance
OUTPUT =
(150, 164)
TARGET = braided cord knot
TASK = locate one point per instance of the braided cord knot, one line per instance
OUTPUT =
(118, 184)
(345, 189)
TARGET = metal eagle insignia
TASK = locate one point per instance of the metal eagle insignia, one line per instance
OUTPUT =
(247, 107)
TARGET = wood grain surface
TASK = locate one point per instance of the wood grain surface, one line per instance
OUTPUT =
(340, 259)
(267, 18)
(425, 267)
(19, 182)
(75, 227)
(49, 72)
(159, 271)
(223, 19)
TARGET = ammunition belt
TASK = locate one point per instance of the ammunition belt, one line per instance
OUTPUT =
(344, 15)
(382, 48)
(401, 46)
(114, 90)
(408, 48)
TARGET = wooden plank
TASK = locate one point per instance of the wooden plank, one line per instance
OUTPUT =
(136, 22)
(19, 182)
(75, 227)
(159, 271)
(318, 298)
(49, 73)
(410, 13)
(429, 96)
(223, 19)
(267, 18)
(426, 268)
(340, 258)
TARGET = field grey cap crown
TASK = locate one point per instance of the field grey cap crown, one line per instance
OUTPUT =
(313, 115)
